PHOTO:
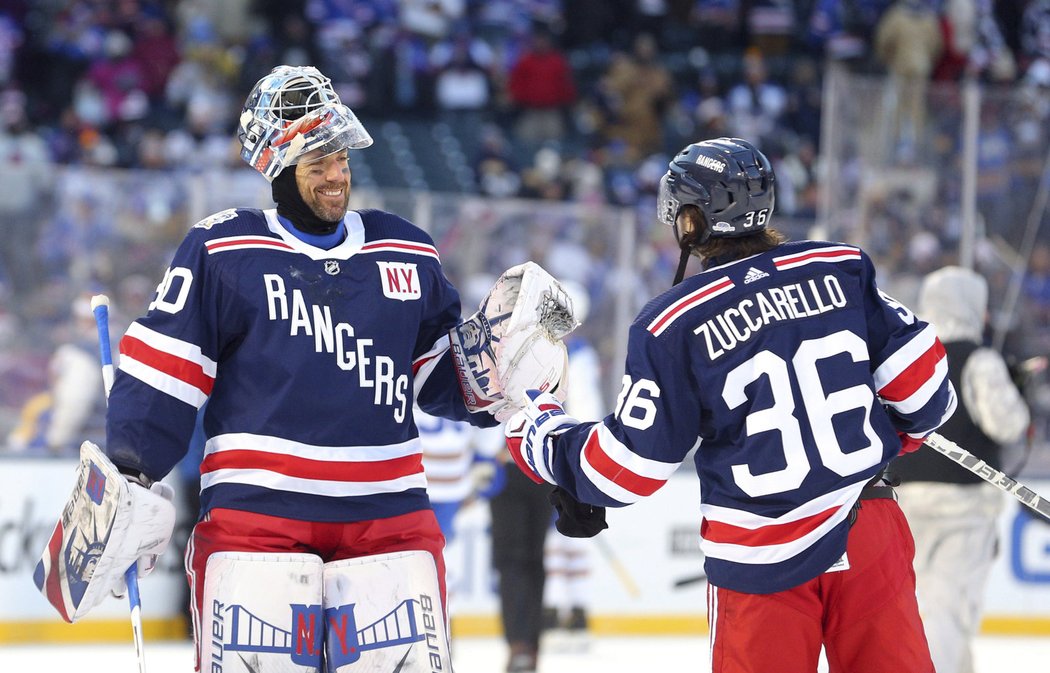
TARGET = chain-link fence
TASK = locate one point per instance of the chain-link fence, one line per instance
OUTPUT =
(933, 173)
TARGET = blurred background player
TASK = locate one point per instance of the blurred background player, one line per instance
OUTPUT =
(569, 560)
(797, 381)
(461, 465)
(520, 518)
(71, 410)
(952, 512)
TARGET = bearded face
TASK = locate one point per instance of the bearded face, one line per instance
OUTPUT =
(324, 184)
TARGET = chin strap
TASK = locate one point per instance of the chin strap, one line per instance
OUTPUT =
(683, 259)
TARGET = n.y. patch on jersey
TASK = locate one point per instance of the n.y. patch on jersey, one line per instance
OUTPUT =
(400, 280)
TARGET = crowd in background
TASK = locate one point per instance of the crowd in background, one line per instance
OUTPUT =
(570, 101)
(159, 84)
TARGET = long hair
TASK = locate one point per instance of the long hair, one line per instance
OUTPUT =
(726, 249)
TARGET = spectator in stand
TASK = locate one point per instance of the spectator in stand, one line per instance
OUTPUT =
(973, 43)
(26, 197)
(908, 42)
(541, 89)
(843, 29)
(708, 107)
(1036, 288)
(640, 88)
(771, 25)
(495, 167)
(431, 19)
(802, 112)
(756, 104)
(119, 78)
(718, 23)
(462, 91)
(1035, 31)
(155, 50)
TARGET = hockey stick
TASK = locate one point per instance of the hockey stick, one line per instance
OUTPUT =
(618, 567)
(692, 579)
(100, 307)
(1002, 481)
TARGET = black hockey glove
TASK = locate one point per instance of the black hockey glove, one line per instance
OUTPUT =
(576, 519)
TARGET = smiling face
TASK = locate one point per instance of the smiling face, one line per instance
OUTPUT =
(324, 184)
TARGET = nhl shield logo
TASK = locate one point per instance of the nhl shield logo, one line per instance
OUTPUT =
(400, 280)
(331, 267)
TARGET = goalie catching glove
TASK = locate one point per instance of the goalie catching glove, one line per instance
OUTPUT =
(109, 523)
(514, 342)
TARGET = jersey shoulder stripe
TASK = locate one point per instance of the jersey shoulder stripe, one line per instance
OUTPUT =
(402, 246)
(695, 298)
(229, 243)
(823, 253)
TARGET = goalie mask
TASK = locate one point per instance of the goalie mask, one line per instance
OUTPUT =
(728, 179)
(292, 111)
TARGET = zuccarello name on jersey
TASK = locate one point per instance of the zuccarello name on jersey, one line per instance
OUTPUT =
(738, 323)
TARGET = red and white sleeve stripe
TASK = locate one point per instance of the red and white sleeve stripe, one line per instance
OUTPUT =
(170, 365)
(619, 472)
(911, 376)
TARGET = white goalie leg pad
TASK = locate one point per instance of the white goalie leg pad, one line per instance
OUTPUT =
(513, 343)
(384, 613)
(262, 613)
(107, 525)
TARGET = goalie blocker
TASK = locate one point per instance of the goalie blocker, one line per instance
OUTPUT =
(513, 343)
(108, 524)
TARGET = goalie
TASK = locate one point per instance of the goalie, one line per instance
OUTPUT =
(310, 330)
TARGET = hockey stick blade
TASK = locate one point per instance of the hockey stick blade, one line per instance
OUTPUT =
(1002, 481)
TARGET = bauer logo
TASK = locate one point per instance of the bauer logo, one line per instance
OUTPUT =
(1030, 548)
(400, 280)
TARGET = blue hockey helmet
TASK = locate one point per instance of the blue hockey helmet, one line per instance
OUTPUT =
(728, 179)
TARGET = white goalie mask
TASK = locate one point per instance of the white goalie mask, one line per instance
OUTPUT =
(292, 111)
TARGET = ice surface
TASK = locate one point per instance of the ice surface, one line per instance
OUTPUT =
(487, 655)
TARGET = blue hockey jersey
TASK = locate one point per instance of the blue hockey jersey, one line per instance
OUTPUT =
(310, 361)
(790, 374)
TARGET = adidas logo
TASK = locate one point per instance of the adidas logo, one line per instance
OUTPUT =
(754, 274)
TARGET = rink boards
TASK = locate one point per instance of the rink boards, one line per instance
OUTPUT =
(646, 570)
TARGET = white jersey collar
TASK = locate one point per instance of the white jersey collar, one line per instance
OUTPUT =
(355, 237)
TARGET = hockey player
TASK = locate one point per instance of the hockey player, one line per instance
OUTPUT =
(310, 330)
(952, 512)
(796, 380)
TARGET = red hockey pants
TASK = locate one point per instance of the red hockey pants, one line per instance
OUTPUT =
(866, 617)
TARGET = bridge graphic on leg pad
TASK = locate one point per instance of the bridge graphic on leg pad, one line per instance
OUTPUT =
(249, 633)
